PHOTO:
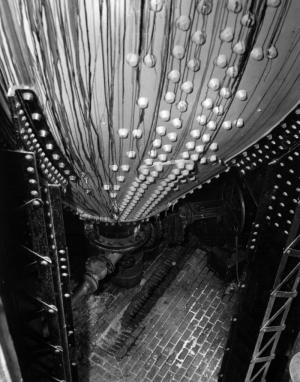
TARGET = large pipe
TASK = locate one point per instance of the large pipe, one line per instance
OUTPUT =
(96, 269)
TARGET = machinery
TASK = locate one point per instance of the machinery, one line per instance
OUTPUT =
(144, 119)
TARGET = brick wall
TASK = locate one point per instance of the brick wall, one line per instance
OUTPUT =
(183, 337)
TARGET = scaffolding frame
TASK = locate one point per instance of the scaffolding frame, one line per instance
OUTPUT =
(283, 293)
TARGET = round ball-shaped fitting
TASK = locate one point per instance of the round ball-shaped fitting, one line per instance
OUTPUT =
(199, 37)
(170, 97)
(257, 53)
(234, 6)
(239, 48)
(174, 76)
(156, 5)
(214, 84)
(132, 59)
(164, 115)
(178, 52)
(227, 34)
(143, 102)
(193, 65)
(182, 106)
(187, 87)
(207, 103)
(221, 61)
(201, 119)
(183, 22)
(123, 133)
(176, 122)
(150, 60)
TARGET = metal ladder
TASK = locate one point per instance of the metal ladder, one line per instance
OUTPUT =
(281, 297)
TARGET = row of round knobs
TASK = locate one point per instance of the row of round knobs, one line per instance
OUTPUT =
(183, 23)
(257, 53)
(199, 38)
(205, 7)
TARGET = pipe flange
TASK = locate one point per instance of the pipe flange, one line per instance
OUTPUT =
(123, 244)
(109, 265)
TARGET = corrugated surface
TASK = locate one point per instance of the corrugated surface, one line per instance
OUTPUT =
(108, 73)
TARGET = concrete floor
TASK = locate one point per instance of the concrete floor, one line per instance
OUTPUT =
(184, 333)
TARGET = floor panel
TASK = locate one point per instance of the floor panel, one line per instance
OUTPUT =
(182, 338)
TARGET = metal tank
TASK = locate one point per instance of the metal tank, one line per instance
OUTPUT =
(136, 103)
